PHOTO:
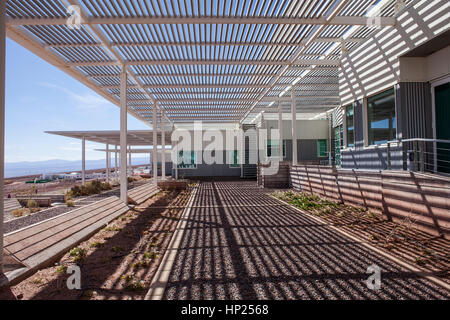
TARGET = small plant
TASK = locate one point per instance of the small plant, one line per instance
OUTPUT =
(139, 264)
(32, 204)
(373, 237)
(61, 269)
(70, 204)
(78, 254)
(19, 212)
(37, 280)
(133, 284)
(151, 255)
(420, 261)
(116, 249)
(113, 228)
(96, 244)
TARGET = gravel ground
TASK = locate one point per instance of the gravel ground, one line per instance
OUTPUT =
(264, 250)
(22, 222)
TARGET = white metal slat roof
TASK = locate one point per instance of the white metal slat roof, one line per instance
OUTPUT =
(198, 60)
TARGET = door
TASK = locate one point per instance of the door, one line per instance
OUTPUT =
(442, 107)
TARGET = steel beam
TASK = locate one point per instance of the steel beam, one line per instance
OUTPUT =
(155, 147)
(83, 161)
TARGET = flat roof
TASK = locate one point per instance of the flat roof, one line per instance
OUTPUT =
(112, 137)
(197, 61)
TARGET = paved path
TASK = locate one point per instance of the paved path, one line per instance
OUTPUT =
(239, 243)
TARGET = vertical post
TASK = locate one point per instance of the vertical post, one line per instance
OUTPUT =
(416, 155)
(155, 145)
(242, 149)
(83, 161)
(163, 148)
(175, 161)
(123, 137)
(280, 129)
(130, 166)
(422, 156)
(388, 155)
(294, 127)
(115, 161)
(2, 120)
(108, 162)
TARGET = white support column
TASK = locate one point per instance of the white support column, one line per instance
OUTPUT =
(163, 149)
(83, 161)
(294, 127)
(108, 162)
(123, 137)
(115, 162)
(155, 146)
(280, 129)
(175, 161)
(2, 121)
(242, 150)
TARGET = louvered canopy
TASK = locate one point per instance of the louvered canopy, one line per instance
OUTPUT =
(217, 61)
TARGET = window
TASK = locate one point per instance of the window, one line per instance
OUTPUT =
(322, 148)
(234, 159)
(338, 144)
(186, 160)
(272, 148)
(381, 118)
(350, 121)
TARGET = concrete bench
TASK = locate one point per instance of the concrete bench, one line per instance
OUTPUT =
(11, 204)
(38, 245)
(142, 193)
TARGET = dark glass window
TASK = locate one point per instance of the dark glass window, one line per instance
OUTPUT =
(381, 117)
(350, 121)
(322, 148)
(338, 144)
(186, 160)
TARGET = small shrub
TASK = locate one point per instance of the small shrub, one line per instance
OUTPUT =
(133, 284)
(32, 204)
(151, 255)
(78, 254)
(19, 212)
(139, 264)
(96, 244)
(37, 280)
(116, 249)
(70, 204)
(61, 269)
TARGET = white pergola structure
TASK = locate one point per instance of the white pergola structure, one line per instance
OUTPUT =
(113, 137)
(180, 61)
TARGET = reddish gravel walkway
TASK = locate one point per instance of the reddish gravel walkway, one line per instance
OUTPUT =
(239, 243)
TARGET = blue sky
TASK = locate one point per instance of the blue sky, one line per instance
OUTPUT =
(40, 97)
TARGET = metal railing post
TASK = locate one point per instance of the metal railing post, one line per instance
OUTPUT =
(415, 168)
(389, 156)
(422, 156)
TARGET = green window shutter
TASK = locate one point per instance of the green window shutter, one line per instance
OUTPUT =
(321, 148)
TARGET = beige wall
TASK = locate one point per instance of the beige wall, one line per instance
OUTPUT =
(426, 69)
(306, 129)
(374, 65)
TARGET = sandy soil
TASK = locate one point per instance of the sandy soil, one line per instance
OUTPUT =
(120, 260)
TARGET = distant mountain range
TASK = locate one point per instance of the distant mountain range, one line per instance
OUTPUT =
(20, 169)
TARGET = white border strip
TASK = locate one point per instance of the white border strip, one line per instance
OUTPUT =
(161, 277)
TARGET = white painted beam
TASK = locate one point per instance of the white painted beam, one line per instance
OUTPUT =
(340, 20)
(280, 130)
(2, 121)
